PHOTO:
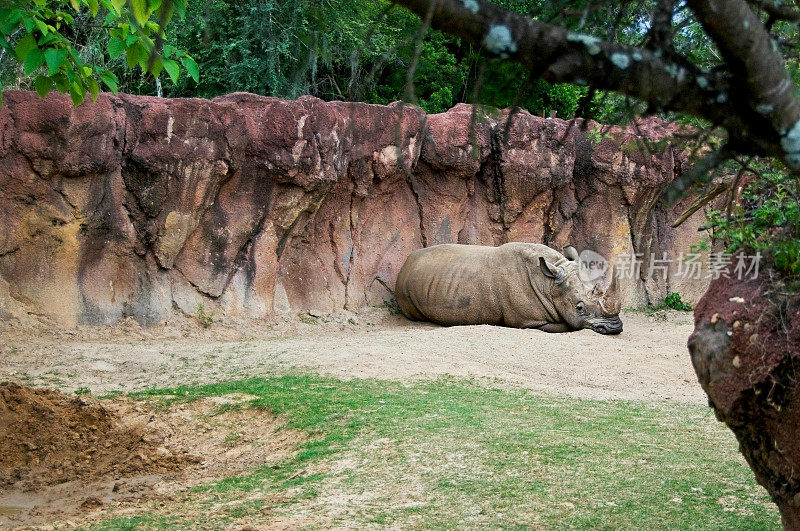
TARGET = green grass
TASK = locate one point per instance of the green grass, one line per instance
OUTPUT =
(450, 453)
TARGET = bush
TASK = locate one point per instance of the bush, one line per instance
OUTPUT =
(205, 319)
(673, 300)
(766, 220)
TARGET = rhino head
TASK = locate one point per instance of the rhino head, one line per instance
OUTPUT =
(582, 304)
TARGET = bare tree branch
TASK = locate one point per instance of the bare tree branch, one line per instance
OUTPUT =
(701, 172)
(704, 199)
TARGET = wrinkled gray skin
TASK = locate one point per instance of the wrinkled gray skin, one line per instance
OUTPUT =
(522, 285)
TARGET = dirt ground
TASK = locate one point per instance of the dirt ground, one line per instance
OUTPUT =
(68, 460)
(40, 483)
(648, 361)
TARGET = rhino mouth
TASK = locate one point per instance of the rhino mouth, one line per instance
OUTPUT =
(611, 326)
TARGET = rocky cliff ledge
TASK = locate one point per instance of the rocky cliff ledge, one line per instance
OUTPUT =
(143, 207)
(746, 349)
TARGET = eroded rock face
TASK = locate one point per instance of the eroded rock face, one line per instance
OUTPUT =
(746, 352)
(140, 206)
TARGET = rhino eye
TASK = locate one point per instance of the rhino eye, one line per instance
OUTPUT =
(580, 306)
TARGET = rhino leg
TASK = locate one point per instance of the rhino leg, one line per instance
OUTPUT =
(554, 327)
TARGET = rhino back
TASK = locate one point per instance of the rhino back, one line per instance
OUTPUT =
(455, 284)
(450, 284)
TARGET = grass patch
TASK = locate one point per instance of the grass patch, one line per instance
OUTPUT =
(449, 453)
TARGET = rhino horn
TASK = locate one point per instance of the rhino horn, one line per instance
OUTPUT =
(571, 253)
(611, 301)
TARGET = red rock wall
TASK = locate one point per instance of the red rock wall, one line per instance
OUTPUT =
(139, 206)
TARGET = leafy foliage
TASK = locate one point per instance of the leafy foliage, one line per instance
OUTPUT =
(766, 219)
(205, 319)
(357, 50)
(673, 300)
(45, 37)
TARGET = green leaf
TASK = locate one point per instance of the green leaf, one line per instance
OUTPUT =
(118, 5)
(44, 28)
(116, 47)
(173, 69)
(75, 5)
(140, 11)
(12, 20)
(131, 38)
(168, 50)
(133, 54)
(43, 85)
(55, 58)
(33, 60)
(156, 67)
(180, 7)
(25, 45)
(110, 80)
(93, 7)
(191, 67)
(61, 81)
(94, 88)
(76, 93)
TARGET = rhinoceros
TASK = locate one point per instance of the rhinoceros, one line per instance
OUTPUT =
(522, 285)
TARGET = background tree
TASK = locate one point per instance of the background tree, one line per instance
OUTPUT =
(49, 40)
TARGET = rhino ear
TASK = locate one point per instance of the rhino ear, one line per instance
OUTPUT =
(571, 253)
(549, 270)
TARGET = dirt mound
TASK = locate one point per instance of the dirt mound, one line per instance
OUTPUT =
(48, 438)
(75, 460)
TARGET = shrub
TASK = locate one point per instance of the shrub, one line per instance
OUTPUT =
(673, 300)
(766, 220)
(206, 319)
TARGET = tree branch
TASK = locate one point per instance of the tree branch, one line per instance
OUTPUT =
(778, 10)
(703, 200)
(660, 35)
(752, 56)
(730, 99)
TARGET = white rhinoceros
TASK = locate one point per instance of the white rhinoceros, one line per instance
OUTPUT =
(522, 285)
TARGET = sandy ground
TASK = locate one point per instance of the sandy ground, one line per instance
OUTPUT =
(648, 361)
